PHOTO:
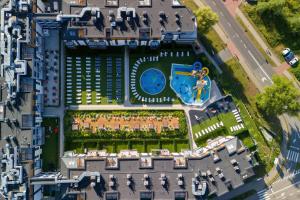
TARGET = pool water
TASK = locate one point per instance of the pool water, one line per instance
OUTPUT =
(152, 81)
(183, 85)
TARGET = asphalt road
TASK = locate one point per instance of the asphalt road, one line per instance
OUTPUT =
(255, 60)
(286, 188)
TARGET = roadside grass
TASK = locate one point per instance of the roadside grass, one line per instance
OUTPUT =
(255, 42)
(50, 150)
(274, 31)
(211, 40)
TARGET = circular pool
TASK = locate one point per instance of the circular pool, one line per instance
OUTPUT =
(152, 81)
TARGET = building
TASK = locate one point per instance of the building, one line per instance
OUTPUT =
(225, 164)
(21, 103)
(98, 24)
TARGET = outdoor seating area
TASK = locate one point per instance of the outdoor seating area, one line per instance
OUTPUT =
(237, 128)
(94, 80)
(237, 116)
(51, 84)
(137, 80)
(209, 129)
(129, 123)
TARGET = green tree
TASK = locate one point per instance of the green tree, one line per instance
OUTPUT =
(281, 97)
(206, 18)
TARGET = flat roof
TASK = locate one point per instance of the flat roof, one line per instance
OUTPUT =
(166, 166)
(16, 117)
(89, 29)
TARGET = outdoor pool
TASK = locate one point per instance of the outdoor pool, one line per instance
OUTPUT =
(183, 83)
(152, 81)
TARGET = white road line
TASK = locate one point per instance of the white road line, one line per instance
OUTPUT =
(297, 148)
(245, 46)
(288, 154)
(229, 24)
(250, 53)
(296, 159)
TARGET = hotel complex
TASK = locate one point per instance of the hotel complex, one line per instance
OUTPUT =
(36, 40)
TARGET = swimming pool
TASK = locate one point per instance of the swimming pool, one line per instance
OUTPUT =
(152, 81)
(183, 84)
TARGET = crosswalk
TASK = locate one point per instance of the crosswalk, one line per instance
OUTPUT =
(263, 195)
(292, 156)
(290, 176)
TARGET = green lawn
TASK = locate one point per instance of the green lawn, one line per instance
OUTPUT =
(50, 150)
(114, 141)
(115, 146)
(103, 76)
(275, 27)
(235, 81)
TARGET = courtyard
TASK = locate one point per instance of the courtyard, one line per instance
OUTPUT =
(150, 74)
(94, 79)
(118, 130)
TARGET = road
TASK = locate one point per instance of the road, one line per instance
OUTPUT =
(262, 70)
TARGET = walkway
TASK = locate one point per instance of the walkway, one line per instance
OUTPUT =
(127, 75)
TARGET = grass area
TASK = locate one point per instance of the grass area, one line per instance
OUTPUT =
(274, 29)
(114, 141)
(104, 87)
(235, 81)
(115, 146)
(164, 64)
(211, 40)
(50, 150)
(255, 42)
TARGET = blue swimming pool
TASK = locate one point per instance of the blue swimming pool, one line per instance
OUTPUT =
(183, 84)
(152, 81)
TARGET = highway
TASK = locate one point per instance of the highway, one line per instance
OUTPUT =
(262, 70)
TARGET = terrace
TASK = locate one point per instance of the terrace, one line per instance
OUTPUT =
(94, 80)
(118, 130)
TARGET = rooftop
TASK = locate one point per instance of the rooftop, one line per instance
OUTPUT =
(128, 19)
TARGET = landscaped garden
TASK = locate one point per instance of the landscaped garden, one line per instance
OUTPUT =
(50, 150)
(142, 60)
(94, 78)
(118, 130)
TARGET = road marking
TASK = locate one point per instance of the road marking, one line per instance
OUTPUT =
(250, 53)
(221, 13)
(291, 175)
(245, 46)
(297, 148)
(263, 195)
(293, 156)
(229, 24)
(263, 79)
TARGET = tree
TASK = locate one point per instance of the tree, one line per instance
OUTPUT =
(281, 97)
(206, 18)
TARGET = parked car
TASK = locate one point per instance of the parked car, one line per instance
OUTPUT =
(294, 61)
(285, 52)
(290, 57)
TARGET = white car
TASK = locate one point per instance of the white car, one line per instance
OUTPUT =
(286, 51)
(294, 61)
